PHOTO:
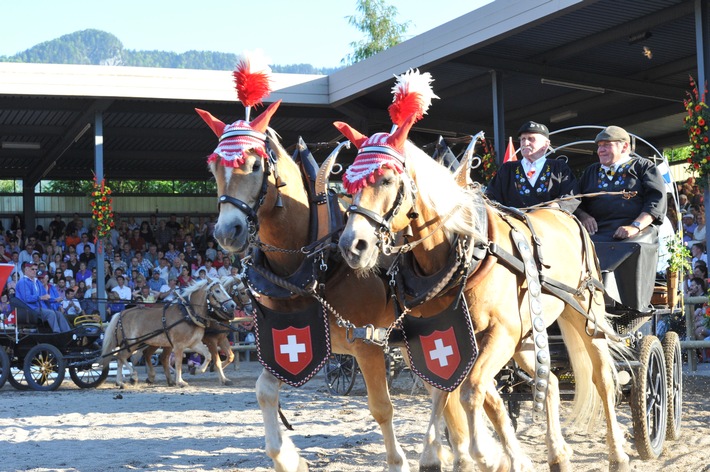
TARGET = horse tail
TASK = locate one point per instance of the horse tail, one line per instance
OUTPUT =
(588, 407)
(110, 340)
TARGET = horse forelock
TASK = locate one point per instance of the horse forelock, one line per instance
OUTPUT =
(193, 287)
(438, 190)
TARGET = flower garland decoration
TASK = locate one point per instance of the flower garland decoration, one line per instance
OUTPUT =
(101, 209)
(697, 122)
(489, 167)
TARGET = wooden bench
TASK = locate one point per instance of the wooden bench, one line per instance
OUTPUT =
(247, 348)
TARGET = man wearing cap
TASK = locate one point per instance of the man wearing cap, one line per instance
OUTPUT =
(534, 179)
(30, 291)
(689, 226)
(614, 217)
(155, 282)
(610, 218)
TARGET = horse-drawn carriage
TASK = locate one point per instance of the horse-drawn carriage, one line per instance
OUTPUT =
(34, 357)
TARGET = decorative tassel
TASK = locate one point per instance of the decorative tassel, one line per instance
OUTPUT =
(412, 96)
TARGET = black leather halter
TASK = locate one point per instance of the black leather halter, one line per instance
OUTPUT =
(249, 211)
(382, 223)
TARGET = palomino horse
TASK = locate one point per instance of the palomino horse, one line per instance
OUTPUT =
(418, 193)
(215, 338)
(282, 213)
(179, 325)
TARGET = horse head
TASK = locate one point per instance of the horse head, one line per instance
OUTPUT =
(383, 194)
(241, 167)
(219, 299)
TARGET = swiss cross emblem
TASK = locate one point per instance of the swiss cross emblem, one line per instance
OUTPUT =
(292, 348)
(441, 352)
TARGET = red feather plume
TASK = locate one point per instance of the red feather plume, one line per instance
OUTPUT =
(252, 79)
(412, 96)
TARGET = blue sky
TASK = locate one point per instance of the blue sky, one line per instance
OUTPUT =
(289, 31)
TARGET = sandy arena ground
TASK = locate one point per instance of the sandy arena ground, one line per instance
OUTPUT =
(207, 427)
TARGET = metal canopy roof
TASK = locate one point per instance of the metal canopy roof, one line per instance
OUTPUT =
(563, 63)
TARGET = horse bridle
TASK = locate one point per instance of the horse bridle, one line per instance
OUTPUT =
(383, 223)
(222, 305)
(251, 211)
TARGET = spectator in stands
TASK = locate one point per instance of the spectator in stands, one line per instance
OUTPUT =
(689, 226)
(167, 291)
(156, 282)
(70, 250)
(73, 264)
(56, 227)
(85, 242)
(127, 254)
(173, 224)
(196, 264)
(211, 251)
(88, 258)
(83, 273)
(81, 288)
(171, 252)
(163, 237)
(152, 255)
(122, 290)
(209, 269)
(90, 304)
(72, 239)
(136, 241)
(71, 305)
(185, 278)
(61, 286)
(5, 308)
(41, 235)
(146, 233)
(15, 261)
(118, 262)
(164, 268)
(31, 292)
(146, 295)
(226, 268)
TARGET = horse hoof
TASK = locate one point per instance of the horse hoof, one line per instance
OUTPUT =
(564, 466)
(466, 465)
(302, 465)
(616, 466)
(227, 382)
(150, 381)
(431, 468)
(183, 384)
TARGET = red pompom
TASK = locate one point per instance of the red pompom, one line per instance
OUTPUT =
(406, 105)
(251, 87)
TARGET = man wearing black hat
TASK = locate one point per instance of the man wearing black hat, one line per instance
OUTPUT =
(610, 218)
(615, 217)
(534, 179)
(31, 291)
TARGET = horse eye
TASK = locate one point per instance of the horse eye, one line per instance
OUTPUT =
(256, 166)
(387, 181)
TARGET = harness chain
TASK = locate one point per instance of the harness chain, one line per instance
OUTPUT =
(539, 330)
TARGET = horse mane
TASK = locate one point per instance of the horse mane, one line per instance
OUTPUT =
(438, 190)
(193, 287)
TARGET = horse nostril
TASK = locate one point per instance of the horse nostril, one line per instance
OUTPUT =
(361, 245)
(238, 229)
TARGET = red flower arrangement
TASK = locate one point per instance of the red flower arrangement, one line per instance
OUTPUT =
(696, 122)
(101, 209)
(489, 167)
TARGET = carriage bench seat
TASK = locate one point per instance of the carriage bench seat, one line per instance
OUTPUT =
(24, 315)
(629, 269)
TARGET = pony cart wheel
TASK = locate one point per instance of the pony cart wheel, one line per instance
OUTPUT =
(674, 374)
(89, 377)
(44, 367)
(17, 378)
(649, 399)
(340, 372)
(4, 366)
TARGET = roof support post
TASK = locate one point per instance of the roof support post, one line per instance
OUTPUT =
(702, 51)
(498, 115)
(29, 208)
(99, 172)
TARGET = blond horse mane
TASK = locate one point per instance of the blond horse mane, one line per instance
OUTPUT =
(194, 287)
(437, 189)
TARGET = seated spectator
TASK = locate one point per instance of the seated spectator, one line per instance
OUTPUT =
(211, 251)
(156, 282)
(689, 226)
(5, 308)
(90, 304)
(88, 258)
(122, 290)
(83, 273)
(72, 306)
(209, 269)
(146, 295)
(167, 291)
(30, 291)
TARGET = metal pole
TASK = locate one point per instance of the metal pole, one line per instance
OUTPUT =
(498, 115)
(702, 52)
(99, 171)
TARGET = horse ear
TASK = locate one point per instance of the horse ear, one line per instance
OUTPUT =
(353, 135)
(215, 124)
(261, 122)
(399, 137)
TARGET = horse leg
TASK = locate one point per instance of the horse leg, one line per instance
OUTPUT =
(178, 368)
(200, 348)
(559, 453)
(372, 366)
(494, 346)
(227, 349)
(164, 360)
(279, 447)
(213, 345)
(150, 370)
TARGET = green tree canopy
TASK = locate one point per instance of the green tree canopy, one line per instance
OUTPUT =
(376, 20)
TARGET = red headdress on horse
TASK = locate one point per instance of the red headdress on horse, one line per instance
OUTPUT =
(412, 98)
(252, 79)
